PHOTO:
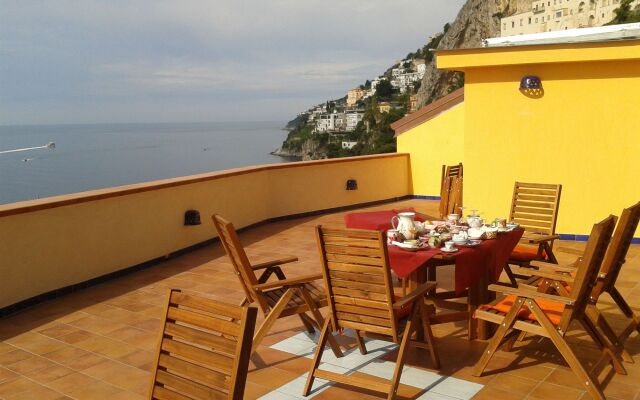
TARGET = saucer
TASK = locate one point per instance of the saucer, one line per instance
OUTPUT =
(448, 251)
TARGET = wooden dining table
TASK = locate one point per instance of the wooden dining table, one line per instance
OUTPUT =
(475, 269)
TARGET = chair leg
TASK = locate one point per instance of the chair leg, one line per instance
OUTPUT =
(510, 275)
(609, 354)
(271, 318)
(318, 317)
(361, 345)
(324, 335)
(428, 335)
(501, 332)
(402, 353)
(627, 311)
(566, 352)
(308, 325)
(598, 321)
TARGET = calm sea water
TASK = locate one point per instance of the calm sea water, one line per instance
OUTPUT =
(103, 155)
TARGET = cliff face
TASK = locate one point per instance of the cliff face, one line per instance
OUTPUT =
(477, 20)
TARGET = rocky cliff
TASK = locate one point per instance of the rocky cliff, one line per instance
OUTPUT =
(477, 20)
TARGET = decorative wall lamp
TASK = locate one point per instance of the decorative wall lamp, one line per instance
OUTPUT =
(192, 217)
(531, 86)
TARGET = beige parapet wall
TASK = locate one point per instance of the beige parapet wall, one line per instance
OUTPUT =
(51, 243)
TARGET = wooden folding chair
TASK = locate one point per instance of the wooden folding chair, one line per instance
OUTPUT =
(552, 280)
(204, 349)
(355, 265)
(450, 190)
(276, 299)
(535, 207)
(550, 315)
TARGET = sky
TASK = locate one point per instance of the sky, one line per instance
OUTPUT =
(108, 61)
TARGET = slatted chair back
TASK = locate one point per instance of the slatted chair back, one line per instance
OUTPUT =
(242, 266)
(451, 189)
(535, 206)
(204, 349)
(617, 251)
(355, 265)
(587, 270)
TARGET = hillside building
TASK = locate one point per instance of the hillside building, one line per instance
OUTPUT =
(555, 15)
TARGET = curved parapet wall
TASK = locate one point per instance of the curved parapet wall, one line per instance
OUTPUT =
(56, 242)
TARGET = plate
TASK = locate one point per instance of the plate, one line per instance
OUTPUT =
(408, 247)
(475, 238)
(448, 251)
(473, 243)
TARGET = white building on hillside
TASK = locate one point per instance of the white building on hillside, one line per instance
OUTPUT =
(353, 117)
(555, 15)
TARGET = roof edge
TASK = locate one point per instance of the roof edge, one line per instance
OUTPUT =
(428, 112)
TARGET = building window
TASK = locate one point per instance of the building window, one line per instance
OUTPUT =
(536, 20)
(529, 20)
(513, 24)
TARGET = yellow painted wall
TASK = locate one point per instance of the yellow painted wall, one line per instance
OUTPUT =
(436, 142)
(48, 249)
(583, 133)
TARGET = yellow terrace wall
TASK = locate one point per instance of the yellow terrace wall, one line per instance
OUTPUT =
(51, 243)
(432, 144)
(582, 132)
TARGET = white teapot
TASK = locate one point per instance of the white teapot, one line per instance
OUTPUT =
(404, 224)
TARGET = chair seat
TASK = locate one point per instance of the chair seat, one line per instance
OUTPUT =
(552, 309)
(525, 253)
(315, 289)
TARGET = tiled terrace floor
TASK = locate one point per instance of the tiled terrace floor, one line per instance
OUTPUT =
(99, 343)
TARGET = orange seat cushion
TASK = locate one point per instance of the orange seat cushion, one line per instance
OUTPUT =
(552, 309)
(403, 312)
(525, 253)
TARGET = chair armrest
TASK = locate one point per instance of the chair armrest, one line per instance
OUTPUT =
(529, 294)
(549, 267)
(418, 293)
(555, 275)
(288, 282)
(273, 263)
(539, 237)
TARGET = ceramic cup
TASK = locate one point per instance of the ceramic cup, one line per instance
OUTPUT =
(448, 245)
(501, 223)
(392, 236)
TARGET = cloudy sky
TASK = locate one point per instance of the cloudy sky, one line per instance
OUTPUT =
(198, 60)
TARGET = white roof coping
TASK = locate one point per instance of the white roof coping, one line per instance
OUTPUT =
(578, 35)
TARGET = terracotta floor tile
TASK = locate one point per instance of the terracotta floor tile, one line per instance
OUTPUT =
(14, 356)
(549, 391)
(16, 385)
(493, 393)
(39, 393)
(71, 382)
(272, 377)
(621, 390)
(49, 374)
(75, 358)
(96, 390)
(104, 346)
(58, 330)
(564, 377)
(6, 374)
(513, 384)
(32, 364)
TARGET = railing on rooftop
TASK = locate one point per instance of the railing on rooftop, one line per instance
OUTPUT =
(56, 242)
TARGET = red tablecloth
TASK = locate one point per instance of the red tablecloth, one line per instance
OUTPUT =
(375, 220)
(472, 263)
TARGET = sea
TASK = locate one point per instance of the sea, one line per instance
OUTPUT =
(97, 156)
